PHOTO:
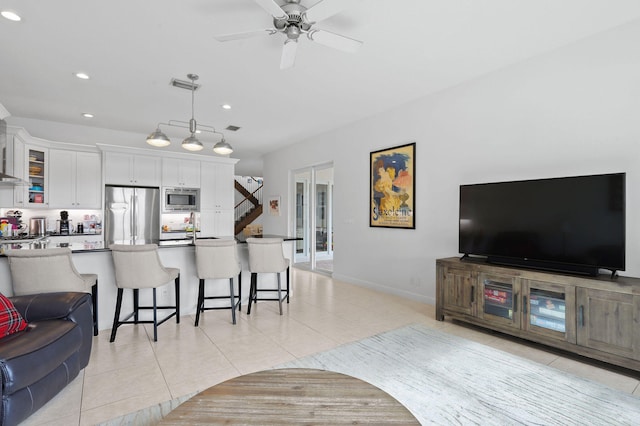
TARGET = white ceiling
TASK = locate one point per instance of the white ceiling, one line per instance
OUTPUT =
(132, 49)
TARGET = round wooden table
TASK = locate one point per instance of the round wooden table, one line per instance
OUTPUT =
(291, 396)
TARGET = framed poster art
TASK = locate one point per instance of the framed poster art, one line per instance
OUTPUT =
(392, 187)
(274, 205)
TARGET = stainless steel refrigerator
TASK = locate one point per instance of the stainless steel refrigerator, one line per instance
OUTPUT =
(132, 215)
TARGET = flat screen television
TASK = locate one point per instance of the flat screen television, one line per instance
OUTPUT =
(570, 224)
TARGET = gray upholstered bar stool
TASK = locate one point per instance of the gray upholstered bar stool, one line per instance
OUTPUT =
(218, 259)
(265, 256)
(138, 267)
(50, 270)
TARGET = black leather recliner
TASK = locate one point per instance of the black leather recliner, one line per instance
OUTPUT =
(41, 360)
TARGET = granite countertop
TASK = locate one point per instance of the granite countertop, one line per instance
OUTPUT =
(97, 246)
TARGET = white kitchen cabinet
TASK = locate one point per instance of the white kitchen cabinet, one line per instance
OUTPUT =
(180, 173)
(132, 169)
(74, 179)
(14, 163)
(217, 191)
(216, 200)
(19, 192)
(216, 223)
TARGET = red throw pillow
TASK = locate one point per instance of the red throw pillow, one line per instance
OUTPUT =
(10, 319)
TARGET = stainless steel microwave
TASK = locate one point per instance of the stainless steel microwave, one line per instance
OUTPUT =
(180, 200)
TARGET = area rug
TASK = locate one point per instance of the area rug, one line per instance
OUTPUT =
(447, 380)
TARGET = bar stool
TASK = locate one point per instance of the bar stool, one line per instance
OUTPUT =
(138, 267)
(218, 259)
(50, 270)
(265, 256)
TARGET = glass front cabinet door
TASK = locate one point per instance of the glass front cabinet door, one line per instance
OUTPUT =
(499, 299)
(549, 310)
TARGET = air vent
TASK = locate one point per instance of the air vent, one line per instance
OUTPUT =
(233, 128)
(181, 84)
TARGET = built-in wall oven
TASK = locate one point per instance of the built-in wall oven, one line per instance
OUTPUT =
(177, 200)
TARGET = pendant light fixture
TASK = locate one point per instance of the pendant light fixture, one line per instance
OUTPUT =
(191, 142)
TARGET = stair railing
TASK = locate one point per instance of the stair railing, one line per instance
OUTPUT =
(254, 186)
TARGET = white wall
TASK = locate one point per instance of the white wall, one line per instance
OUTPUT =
(571, 112)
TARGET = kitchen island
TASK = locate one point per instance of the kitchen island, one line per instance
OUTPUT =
(93, 257)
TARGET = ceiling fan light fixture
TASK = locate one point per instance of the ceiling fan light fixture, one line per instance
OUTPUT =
(192, 143)
(158, 139)
(222, 148)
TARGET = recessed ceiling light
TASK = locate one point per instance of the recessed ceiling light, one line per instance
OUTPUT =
(82, 75)
(226, 106)
(87, 115)
(10, 15)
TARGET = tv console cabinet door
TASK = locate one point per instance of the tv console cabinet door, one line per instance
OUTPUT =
(608, 321)
(499, 299)
(458, 291)
(548, 310)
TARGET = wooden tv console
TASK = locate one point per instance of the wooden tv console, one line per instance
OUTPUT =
(596, 317)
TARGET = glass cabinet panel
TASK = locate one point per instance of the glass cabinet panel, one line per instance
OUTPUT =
(37, 175)
(548, 309)
(498, 299)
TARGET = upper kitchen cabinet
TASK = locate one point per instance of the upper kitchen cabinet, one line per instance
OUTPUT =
(180, 173)
(74, 179)
(14, 163)
(131, 169)
(216, 199)
(37, 163)
(218, 191)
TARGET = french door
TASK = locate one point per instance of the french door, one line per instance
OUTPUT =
(314, 217)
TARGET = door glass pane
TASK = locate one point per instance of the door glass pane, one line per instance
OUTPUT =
(300, 217)
(547, 309)
(321, 217)
(498, 299)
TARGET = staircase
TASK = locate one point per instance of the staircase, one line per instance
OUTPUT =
(250, 208)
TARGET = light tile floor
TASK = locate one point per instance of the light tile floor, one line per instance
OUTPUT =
(134, 372)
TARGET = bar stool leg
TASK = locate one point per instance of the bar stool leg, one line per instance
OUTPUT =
(287, 284)
(116, 317)
(279, 293)
(136, 304)
(252, 291)
(240, 291)
(177, 285)
(233, 300)
(200, 302)
(155, 317)
(94, 299)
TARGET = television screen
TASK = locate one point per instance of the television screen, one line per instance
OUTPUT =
(574, 224)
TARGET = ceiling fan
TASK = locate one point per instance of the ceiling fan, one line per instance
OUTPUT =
(293, 20)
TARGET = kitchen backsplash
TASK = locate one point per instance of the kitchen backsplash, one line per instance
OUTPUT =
(90, 219)
(177, 222)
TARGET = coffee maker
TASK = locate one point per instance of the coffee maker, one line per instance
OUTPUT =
(64, 223)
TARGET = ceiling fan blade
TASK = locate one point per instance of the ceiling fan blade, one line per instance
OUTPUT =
(288, 53)
(325, 9)
(272, 8)
(337, 41)
(248, 34)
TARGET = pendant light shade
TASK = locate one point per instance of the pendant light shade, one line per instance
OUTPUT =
(192, 143)
(222, 148)
(158, 139)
